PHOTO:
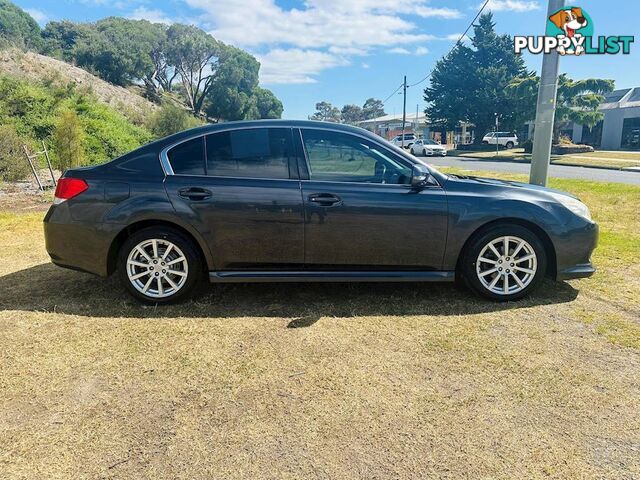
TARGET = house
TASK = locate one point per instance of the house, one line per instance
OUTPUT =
(618, 130)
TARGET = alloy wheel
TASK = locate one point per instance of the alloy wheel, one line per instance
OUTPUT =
(506, 265)
(157, 268)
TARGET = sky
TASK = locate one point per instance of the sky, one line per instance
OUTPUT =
(345, 51)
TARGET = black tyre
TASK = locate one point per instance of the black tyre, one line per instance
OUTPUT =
(509, 145)
(424, 153)
(504, 262)
(159, 265)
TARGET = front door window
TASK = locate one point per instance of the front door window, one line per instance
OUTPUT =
(340, 157)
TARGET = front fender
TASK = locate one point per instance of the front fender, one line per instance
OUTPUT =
(468, 215)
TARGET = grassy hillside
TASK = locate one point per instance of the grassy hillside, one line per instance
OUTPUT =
(32, 112)
(36, 67)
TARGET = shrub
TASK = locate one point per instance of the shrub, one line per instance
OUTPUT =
(68, 139)
(34, 110)
(564, 140)
(13, 163)
(171, 119)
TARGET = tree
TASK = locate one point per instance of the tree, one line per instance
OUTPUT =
(469, 84)
(267, 103)
(351, 114)
(372, 108)
(17, 27)
(163, 75)
(230, 96)
(195, 56)
(577, 100)
(171, 119)
(119, 49)
(13, 164)
(60, 39)
(326, 112)
(68, 138)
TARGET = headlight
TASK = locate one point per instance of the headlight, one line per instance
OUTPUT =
(575, 205)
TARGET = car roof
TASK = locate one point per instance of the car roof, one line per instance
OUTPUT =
(160, 144)
(211, 128)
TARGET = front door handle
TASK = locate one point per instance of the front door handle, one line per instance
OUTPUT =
(194, 193)
(325, 199)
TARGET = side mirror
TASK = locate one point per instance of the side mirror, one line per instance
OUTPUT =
(420, 177)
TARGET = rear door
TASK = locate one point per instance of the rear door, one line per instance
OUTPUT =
(360, 211)
(240, 189)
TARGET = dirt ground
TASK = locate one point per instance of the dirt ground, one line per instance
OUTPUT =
(313, 381)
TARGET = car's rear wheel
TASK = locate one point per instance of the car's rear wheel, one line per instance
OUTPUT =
(159, 265)
(505, 262)
(509, 145)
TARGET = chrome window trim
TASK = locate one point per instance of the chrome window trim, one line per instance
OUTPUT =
(168, 170)
(306, 158)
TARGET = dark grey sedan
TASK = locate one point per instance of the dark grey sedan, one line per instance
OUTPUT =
(292, 201)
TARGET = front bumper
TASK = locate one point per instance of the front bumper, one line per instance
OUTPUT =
(577, 271)
(573, 252)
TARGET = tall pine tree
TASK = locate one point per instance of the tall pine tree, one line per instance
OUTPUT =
(470, 83)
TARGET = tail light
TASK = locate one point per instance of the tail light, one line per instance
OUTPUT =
(68, 188)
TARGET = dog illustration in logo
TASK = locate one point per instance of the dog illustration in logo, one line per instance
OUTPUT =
(569, 21)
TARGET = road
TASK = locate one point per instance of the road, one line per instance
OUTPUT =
(561, 171)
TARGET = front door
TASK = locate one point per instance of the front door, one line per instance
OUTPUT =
(360, 211)
(239, 188)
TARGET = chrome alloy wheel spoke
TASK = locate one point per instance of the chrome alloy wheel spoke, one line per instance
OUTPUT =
(157, 268)
(503, 269)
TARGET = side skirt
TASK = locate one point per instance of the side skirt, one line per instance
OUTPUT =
(328, 276)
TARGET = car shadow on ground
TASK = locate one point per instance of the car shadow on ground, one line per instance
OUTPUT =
(47, 288)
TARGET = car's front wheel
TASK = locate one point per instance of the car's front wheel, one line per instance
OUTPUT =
(159, 265)
(505, 262)
(509, 144)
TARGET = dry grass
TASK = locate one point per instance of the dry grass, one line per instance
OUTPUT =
(319, 381)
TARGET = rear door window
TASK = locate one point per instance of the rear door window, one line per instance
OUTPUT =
(255, 153)
(187, 158)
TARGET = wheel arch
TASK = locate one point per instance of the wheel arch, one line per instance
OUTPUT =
(120, 238)
(536, 229)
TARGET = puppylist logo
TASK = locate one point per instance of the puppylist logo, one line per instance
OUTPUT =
(570, 32)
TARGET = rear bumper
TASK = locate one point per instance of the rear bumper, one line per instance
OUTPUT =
(77, 245)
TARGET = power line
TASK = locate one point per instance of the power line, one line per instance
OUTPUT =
(457, 42)
(394, 92)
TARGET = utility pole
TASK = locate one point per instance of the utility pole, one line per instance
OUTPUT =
(545, 111)
(497, 138)
(404, 107)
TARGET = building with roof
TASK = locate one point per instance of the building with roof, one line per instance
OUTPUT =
(618, 130)
(388, 126)
(621, 123)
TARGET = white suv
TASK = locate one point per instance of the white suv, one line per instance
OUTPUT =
(409, 138)
(506, 139)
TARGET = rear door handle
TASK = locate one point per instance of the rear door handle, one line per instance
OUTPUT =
(194, 193)
(325, 199)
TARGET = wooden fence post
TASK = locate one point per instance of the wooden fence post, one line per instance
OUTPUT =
(33, 169)
(46, 155)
